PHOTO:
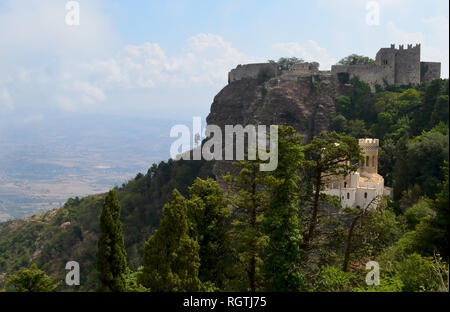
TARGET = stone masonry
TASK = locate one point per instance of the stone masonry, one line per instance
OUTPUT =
(392, 67)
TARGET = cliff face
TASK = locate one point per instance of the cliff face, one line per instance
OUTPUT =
(303, 102)
(306, 103)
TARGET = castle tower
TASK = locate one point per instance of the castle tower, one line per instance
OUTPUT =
(407, 65)
(370, 152)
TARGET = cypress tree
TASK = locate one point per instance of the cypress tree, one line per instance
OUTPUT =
(282, 257)
(111, 254)
(171, 260)
(209, 222)
(248, 195)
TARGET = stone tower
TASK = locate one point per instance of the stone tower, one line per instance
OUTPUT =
(393, 66)
(370, 151)
(404, 64)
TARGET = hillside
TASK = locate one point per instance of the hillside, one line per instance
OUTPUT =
(405, 119)
(70, 233)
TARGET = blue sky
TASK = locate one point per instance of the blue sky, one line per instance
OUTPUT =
(167, 59)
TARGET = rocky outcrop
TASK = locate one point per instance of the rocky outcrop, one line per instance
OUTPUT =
(304, 102)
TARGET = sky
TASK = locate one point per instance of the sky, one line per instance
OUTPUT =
(168, 59)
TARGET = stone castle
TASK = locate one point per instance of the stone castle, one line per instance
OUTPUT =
(359, 188)
(392, 67)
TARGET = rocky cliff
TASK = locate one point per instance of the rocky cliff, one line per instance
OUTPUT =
(304, 102)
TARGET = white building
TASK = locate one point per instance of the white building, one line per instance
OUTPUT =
(359, 188)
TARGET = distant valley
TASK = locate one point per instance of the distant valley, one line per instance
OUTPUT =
(45, 161)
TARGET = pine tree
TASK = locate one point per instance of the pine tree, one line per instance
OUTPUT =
(248, 195)
(329, 155)
(111, 254)
(209, 221)
(171, 260)
(32, 280)
(282, 257)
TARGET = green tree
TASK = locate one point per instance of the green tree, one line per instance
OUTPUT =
(355, 59)
(32, 280)
(171, 260)
(332, 279)
(248, 195)
(440, 112)
(419, 163)
(338, 123)
(111, 253)
(417, 274)
(418, 211)
(286, 63)
(282, 257)
(328, 155)
(209, 219)
(441, 222)
(360, 214)
(357, 128)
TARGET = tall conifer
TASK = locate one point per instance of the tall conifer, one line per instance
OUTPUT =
(171, 259)
(111, 254)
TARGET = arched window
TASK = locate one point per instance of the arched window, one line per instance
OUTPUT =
(345, 184)
(373, 161)
(365, 194)
(367, 161)
(348, 195)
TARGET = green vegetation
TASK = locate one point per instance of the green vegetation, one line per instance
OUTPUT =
(248, 194)
(209, 220)
(31, 280)
(265, 231)
(286, 63)
(355, 59)
(71, 232)
(328, 155)
(111, 254)
(171, 258)
(283, 255)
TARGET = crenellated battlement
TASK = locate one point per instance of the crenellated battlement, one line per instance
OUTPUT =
(392, 66)
(369, 142)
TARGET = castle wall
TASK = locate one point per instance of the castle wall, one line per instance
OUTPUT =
(364, 196)
(252, 71)
(371, 74)
(392, 66)
(386, 57)
(304, 68)
(407, 65)
(430, 71)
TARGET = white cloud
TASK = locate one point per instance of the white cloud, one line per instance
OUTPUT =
(6, 102)
(79, 85)
(432, 49)
(205, 59)
(310, 52)
(33, 29)
(400, 36)
(439, 25)
(433, 54)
